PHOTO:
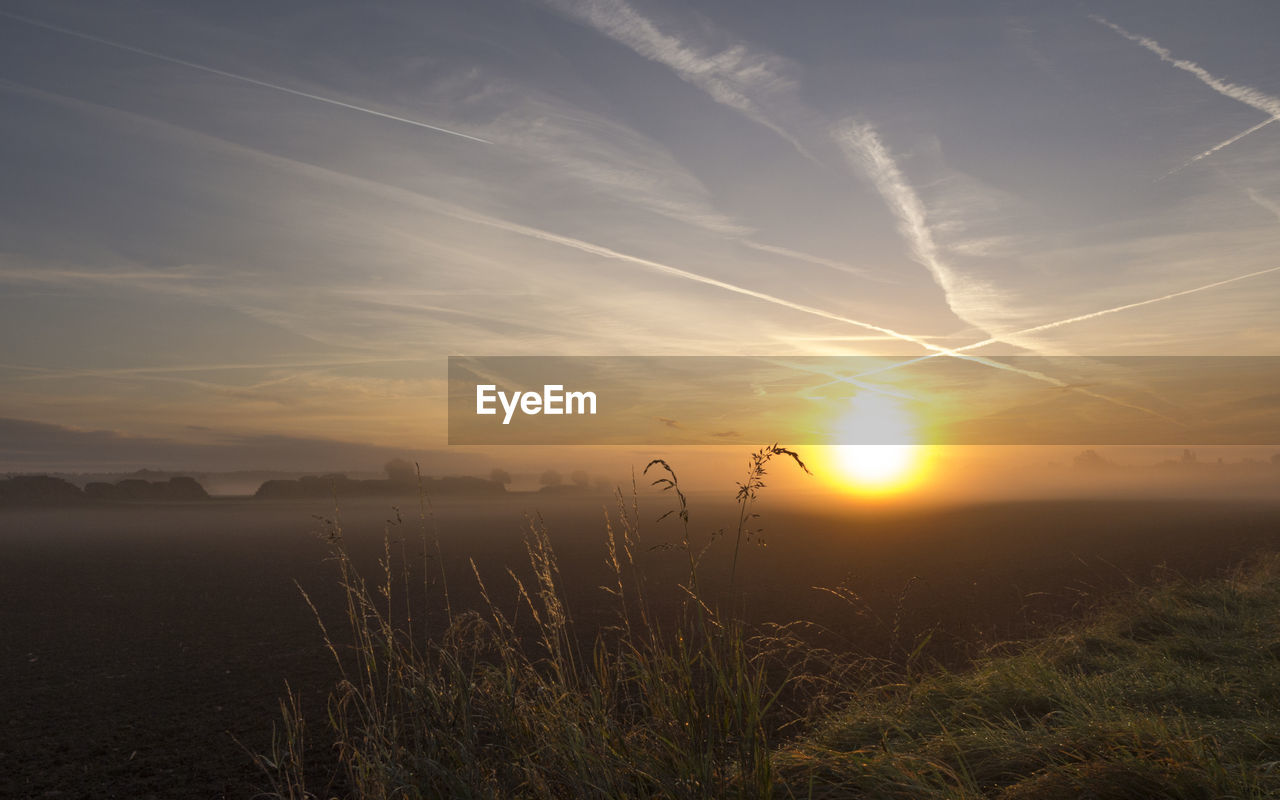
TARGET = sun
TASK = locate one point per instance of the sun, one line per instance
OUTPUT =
(876, 467)
(881, 456)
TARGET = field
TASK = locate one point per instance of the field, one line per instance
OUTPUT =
(139, 640)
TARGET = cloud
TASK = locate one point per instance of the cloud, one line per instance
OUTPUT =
(897, 191)
(799, 256)
(180, 280)
(1245, 94)
(604, 157)
(677, 272)
(1073, 320)
(734, 76)
(759, 85)
(866, 152)
(264, 301)
(1268, 104)
(1264, 202)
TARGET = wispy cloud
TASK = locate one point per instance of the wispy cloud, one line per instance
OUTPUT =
(1245, 94)
(145, 279)
(1263, 202)
(735, 76)
(1266, 103)
(866, 152)
(812, 259)
(893, 186)
(617, 160)
(673, 271)
(759, 85)
(868, 338)
(420, 202)
(604, 157)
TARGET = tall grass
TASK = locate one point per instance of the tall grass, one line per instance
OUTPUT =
(1171, 691)
(514, 702)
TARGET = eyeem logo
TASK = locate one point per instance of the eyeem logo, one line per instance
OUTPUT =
(553, 400)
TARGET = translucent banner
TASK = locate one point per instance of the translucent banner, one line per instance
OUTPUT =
(1022, 400)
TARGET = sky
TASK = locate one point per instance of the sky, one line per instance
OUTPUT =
(249, 235)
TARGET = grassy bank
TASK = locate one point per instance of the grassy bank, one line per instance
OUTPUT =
(1171, 691)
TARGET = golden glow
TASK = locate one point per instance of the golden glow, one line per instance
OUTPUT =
(875, 466)
(890, 462)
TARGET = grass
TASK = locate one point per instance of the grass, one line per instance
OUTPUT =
(515, 703)
(1170, 692)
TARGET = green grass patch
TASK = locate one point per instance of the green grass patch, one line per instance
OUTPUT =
(1172, 691)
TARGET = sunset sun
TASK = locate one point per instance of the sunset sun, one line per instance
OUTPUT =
(877, 453)
(876, 468)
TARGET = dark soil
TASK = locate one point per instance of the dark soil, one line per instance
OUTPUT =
(137, 641)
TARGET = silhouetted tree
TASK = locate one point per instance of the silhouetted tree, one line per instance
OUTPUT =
(580, 478)
(499, 475)
(550, 478)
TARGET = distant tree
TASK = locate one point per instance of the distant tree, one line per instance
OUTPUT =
(1089, 459)
(499, 475)
(400, 471)
(550, 478)
(580, 478)
(1188, 456)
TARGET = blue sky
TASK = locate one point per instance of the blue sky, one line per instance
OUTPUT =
(227, 222)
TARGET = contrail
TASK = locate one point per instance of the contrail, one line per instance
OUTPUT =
(1104, 312)
(235, 77)
(1071, 320)
(735, 77)
(799, 256)
(453, 211)
(1268, 104)
(864, 149)
(676, 272)
(456, 212)
(1221, 145)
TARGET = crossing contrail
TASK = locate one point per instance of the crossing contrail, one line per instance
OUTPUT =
(1072, 320)
(233, 76)
(683, 274)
